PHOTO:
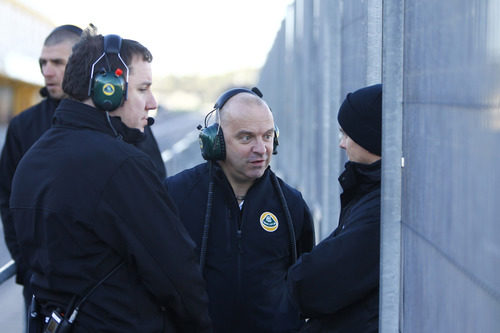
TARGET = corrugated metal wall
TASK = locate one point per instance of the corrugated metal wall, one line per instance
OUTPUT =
(324, 50)
(440, 65)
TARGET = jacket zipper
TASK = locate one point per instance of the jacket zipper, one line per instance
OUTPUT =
(240, 252)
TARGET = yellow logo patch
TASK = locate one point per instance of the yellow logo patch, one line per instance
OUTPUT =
(108, 89)
(268, 222)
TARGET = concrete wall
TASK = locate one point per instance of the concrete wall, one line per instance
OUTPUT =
(439, 62)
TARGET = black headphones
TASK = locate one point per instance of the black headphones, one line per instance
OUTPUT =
(108, 89)
(211, 138)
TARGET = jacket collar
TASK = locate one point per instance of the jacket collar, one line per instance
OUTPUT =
(79, 115)
(220, 177)
(361, 177)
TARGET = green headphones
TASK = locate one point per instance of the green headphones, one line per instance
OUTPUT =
(108, 89)
(211, 138)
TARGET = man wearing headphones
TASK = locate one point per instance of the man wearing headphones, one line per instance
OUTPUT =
(94, 222)
(28, 126)
(249, 226)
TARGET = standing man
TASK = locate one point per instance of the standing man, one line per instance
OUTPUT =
(249, 226)
(28, 126)
(336, 285)
(93, 219)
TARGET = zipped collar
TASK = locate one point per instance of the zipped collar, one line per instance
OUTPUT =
(220, 177)
(360, 177)
(71, 113)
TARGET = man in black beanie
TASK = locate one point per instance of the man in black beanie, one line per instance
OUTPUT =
(336, 285)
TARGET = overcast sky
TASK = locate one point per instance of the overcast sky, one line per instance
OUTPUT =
(185, 36)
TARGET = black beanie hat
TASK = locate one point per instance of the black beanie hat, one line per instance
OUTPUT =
(360, 117)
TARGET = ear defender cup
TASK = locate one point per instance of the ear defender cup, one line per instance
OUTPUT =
(212, 144)
(211, 138)
(276, 142)
(108, 91)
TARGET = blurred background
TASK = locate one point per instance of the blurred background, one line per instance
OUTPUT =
(439, 62)
(199, 47)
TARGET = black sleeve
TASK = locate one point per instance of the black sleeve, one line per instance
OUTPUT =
(339, 271)
(146, 229)
(306, 240)
(11, 155)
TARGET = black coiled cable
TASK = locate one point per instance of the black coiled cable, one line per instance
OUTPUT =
(208, 213)
(284, 204)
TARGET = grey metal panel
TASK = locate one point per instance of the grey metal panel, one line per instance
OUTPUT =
(451, 199)
(392, 145)
(441, 298)
(330, 154)
(451, 183)
(354, 44)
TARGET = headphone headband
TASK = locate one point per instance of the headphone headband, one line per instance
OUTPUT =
(211, 137)
(112, 44)
(231, 92)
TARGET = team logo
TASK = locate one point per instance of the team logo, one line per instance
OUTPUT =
(108, 89)
(269, 222)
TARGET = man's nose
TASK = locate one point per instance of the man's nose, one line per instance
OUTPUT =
(342, 143)
(48, 70)
(151, 103)
(259, 146)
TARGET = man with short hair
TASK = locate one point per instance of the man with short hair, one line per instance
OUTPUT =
(336, 285)
(29, 125)
(93, 219)
(249, 225)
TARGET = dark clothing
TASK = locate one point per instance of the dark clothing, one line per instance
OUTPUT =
(336, 284)
(246, 265)
(82, 201)
(150, 147)
(23, 131)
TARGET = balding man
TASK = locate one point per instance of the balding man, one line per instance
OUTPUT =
(249, 226)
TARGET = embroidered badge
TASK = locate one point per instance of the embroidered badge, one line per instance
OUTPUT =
(269, 222)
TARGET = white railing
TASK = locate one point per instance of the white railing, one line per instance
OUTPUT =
(7, 271)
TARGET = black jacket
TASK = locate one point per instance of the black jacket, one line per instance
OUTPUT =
(336, 284)
(246, 265)
(23, 131)
(84, 200)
